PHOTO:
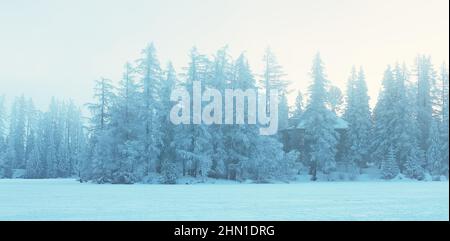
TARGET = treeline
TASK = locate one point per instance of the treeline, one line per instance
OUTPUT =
(129, 137)
(46, 144)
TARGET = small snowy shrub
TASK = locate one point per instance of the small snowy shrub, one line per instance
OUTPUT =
(169, 173)
(122, 177)
(389, 166)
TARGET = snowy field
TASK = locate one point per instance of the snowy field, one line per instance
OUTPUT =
(69, 200)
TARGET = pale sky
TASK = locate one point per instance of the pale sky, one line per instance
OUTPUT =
(58, 47)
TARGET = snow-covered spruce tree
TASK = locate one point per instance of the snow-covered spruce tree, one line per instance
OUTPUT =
(444, 125)
(220, 78)
(124, 127)
(78, 142)
(53, 139)
(50, 136)
(319, 124)
(395, 123)
(150, 75)
(283, 113)
(6, 164)
(241, 139)
(58, 140)
(389, 166)
(64, 158)
(360, 123)
(299, 106)
(264, 162)
(74, 139)
(433, 154)
(34, 167)
(3, 143)
(42, 135)
(193, 142)
(17, 132)
(426, 78)
(357, 114)
(273, 76)
(169, 168)
(2, 125)
(31, 117)
(383, 113)
(409, 155)
(99, 153)
(273, 79)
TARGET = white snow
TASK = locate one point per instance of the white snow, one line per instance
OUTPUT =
(65, 199)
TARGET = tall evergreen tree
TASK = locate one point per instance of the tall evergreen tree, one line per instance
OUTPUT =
(319, 124)
(125, 127)
(100, 154)
(169, 167)
(444, 128)
(3, 122)
(193, 143)
(273, 77)
(357, 114)
(299, 106)
(395, 124)
(149, 72)
(389, 167)
(17, 132)
(433, 154)
(425, 81)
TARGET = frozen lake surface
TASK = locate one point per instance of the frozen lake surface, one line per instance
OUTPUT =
(69, 200)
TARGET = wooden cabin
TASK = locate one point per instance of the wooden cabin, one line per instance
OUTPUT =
(293, 137)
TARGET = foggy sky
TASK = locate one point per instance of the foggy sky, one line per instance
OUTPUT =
(57, 48)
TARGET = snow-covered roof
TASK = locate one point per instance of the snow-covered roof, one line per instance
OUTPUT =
(339, 124)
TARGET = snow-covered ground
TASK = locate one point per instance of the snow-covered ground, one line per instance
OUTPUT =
(377, 200)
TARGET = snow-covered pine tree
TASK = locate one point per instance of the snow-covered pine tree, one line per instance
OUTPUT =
(34, 167)
(265, 160)
(149, 71)
(319, 124)
(299, 106)
(283, 113)
(99, 155)
(241, 139)
(384, 111)
(2, 126)
(3, 143)
(357, 114)
(425, 82)
(124, 127)
(444, 127)
(78, 142)
(193, 142)
(2, 117)
(396, 125)
(74, 138)
(350, 96)
(405, 133)
(389, 166)
(220, 78)
(6, 164)
(17, 132)
(433, 154)
(169, 168)
(273, 77)
(31, 118)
